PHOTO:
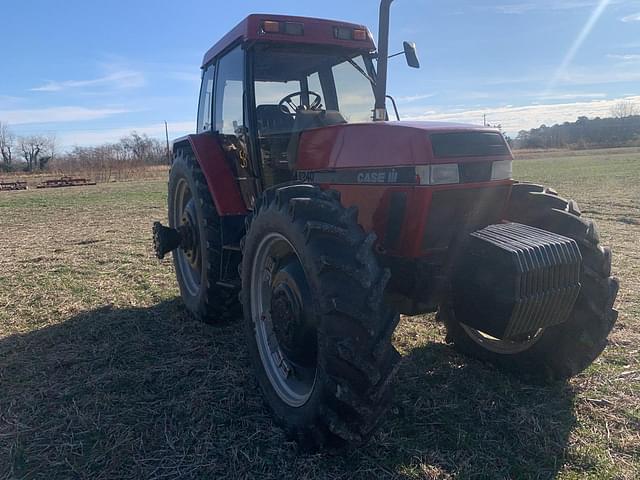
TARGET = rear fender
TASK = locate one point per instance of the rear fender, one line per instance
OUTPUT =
(222, 183)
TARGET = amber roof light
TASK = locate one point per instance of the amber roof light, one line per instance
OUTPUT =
(286, 28)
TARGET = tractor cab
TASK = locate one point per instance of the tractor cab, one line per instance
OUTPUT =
(274, 77)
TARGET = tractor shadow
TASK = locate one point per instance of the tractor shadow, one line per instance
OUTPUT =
(147, 392)
(463, 418)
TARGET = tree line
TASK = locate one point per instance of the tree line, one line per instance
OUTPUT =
(38, 153)
(29, 153)
(621, 129)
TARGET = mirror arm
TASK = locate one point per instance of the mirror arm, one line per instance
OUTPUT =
(395, 54)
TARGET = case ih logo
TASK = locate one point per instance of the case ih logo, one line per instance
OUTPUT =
(399, 175)
(382, 176)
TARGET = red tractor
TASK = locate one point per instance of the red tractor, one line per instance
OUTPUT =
(299, 203)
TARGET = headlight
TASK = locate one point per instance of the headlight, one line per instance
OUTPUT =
(423, 172)
(502, 170)
(443, 174)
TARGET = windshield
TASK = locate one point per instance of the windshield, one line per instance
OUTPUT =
(327, 79)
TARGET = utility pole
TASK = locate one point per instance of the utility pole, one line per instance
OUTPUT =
(484, 117)
(166, 133)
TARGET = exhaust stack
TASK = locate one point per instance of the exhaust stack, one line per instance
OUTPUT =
(380, 112)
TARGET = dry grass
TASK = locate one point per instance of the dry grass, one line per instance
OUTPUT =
(102, 375)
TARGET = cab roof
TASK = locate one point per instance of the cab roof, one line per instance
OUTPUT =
(315, 31)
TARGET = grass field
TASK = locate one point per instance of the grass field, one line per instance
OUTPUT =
(103, 375)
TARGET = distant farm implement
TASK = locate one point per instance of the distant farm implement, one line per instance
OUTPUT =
(13, 186)
(65, 181)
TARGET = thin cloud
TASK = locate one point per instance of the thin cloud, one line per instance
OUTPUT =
(57, 114)
(187, 77)
(571, 96)
(631, 18)
(590, 77)
(414, 98)
(124, 79)
(514, 9)
(6, 100)
(514, 119)
(521, 8)
(622, 72)
(625, 57)
(91, 137)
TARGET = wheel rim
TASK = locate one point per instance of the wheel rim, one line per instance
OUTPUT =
(285, 330)
(189, 257)
(497, 345)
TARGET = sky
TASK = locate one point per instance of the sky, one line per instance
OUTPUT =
(90, 72)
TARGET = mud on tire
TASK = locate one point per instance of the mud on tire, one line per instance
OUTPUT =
(563, 350)
(203, 298)
(355, 360)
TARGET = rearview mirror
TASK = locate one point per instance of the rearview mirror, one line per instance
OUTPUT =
(411, 55)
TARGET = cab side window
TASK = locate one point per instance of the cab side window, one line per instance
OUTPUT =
(229, 95)
(205, 107)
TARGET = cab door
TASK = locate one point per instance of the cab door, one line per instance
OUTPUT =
(230, 122)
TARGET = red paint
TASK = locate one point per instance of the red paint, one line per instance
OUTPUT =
(316, 32)
(373, 210)
(387, 144)
(373, 213)
(220, 178)
(414, 227)
(378, 144)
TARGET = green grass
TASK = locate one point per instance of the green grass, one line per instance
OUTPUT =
(103, 375)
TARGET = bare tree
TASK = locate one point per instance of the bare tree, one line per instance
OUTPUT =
(112, 161)
(37, 151)
(7, 145)
(624, 109)
(141, 149)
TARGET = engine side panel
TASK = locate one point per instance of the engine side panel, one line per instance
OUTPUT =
(222, 183)
(380, 168)
(409, 220)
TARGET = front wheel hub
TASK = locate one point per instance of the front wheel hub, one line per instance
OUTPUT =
(165, 239)
(291, 323)
(285, 313)
(188, 233)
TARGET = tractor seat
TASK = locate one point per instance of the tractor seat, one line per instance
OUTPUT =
(272, 120)
(307, 120)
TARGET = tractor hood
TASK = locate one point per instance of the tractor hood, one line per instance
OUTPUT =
(392, 144)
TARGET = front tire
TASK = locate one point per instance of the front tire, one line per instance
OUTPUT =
(563, 350)
(318, 332)
(198, 266)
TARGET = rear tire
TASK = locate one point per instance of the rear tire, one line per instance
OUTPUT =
(347, 328)
(564, 350)
(198, 270)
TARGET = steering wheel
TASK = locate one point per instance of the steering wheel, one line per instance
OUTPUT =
(288, 107)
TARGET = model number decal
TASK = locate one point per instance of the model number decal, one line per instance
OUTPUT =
(306, 176)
